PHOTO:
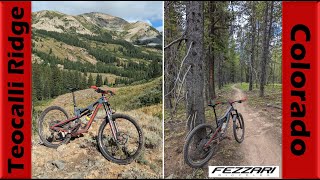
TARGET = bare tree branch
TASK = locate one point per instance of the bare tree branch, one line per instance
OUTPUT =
(182, 62)
(176, 41)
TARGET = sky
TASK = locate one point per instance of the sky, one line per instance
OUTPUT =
(132, 11)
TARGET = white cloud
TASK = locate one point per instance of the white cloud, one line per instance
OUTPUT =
(128, 10)
(149, 22)
(160, 28)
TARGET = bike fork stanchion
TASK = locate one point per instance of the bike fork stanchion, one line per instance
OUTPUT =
(113, 129)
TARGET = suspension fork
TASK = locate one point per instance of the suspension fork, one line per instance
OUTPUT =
(236, 113)
(235, 116)
(113, 126)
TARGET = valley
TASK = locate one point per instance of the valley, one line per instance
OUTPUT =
(67, 50)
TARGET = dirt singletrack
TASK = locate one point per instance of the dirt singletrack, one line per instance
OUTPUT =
(261, 145)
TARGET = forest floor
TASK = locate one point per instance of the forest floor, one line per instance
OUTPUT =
(261, 145)
(81, 158)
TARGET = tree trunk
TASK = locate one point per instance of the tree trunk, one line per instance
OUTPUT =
(256, 64)
(253, 31)
(168, 63)
(212, 91)
(220, 70)
(266, 44)
(194, 79)
(265, 51)
(274, 70)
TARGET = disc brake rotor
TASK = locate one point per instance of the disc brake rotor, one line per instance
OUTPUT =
(122, 138)
(52, 124)
(202, 152)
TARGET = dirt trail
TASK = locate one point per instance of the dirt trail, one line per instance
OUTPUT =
(262, 143)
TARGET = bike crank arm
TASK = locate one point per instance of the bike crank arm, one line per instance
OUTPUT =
(216, 140)
(212, 138)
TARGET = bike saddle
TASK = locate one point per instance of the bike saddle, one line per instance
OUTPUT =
(98, 90)
(72, 89)
(212, 102)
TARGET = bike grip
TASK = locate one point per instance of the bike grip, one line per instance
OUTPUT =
(93, 87)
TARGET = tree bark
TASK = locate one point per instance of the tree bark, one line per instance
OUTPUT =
(253, 31)
(266, 44)
(194, 79)
(274, 70)
(168, 62)
(256, 64)
(220, 71)
(212, 92)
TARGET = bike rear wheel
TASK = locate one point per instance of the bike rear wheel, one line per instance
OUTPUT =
(195, 155)
(130, 140)
(238, 128)
(50, 116)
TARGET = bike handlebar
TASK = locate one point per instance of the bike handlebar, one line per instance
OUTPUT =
(238, 101)
(98, 90)
(229, 102)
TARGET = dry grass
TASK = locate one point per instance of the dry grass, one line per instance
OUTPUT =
(76, 158)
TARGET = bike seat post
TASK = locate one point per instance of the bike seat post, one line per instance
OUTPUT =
(215, 115)
(74, 100)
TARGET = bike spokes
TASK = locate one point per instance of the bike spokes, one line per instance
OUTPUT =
(238, 128)
(50, 136)
(126, 142)
(197, 151)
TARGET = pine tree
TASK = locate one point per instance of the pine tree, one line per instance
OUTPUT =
(154, 69)
(99, 80)
(56, 81)
(83, 82)
(90, 80)
(36, 84)
(106, 82)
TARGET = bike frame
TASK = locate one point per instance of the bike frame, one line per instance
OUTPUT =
(231, 112)
(80, 112)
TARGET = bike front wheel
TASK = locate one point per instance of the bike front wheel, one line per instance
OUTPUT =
(195, 154)
(238, 128)
(129, 143)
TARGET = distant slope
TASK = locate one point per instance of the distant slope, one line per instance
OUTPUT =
(93, 24)
(91, 44)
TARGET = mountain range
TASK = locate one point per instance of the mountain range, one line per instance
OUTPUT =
(94, 23)
(85, 49)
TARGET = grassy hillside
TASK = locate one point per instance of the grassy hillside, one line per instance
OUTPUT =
(66, 50)
(146, 98)
(82, 159)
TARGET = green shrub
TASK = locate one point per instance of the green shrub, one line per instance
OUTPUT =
(148, 97)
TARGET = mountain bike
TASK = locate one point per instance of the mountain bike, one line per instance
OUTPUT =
(202, 142)
(120, 139)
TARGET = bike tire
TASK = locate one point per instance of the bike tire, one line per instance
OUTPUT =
(107, 154)
(40, 127)
(188, 142)
(241, 122)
